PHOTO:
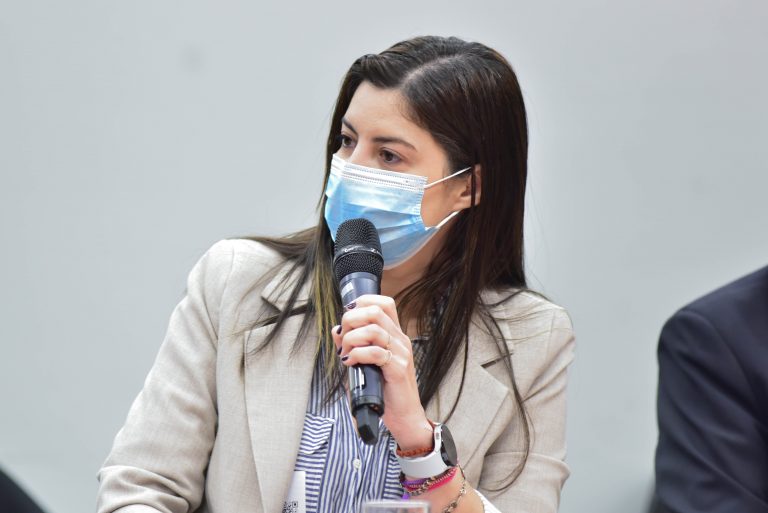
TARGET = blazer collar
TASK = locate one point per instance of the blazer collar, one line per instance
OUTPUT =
(278, 289)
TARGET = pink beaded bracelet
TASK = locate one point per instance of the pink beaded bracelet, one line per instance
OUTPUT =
(419, 486)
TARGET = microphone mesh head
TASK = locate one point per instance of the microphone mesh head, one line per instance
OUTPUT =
(357, 232)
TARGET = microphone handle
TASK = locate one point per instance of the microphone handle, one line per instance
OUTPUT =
(354, 285)
(365, 381)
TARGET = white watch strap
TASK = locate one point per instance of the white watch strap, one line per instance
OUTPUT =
(432, 464)
(424, 466)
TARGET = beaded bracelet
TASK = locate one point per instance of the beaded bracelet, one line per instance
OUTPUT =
(415, 483)
(420, 486)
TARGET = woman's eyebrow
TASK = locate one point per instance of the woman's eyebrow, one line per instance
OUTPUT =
(381, 139)
(348, 125)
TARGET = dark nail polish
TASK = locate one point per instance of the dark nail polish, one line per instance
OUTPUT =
(338, 331)
(351, 305)
(338, 351)
(345, 358)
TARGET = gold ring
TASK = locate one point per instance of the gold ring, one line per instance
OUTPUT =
(389, 357)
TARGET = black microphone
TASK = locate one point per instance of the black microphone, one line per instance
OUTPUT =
(357, 264)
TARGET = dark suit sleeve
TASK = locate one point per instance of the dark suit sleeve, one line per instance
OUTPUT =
(712, 454)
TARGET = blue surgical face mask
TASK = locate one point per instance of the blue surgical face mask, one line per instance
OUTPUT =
(390, 200)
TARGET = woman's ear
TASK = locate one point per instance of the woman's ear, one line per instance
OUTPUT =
(464, 198)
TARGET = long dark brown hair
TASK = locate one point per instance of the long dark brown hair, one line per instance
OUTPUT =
(468, 97)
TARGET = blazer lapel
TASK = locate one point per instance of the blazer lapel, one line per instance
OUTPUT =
(482, 397)
(277, 386)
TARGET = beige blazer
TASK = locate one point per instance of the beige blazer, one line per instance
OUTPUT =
(216, 430)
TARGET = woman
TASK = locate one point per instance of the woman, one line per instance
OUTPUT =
(246, 407)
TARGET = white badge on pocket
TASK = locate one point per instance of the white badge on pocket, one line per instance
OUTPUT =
(296, 502)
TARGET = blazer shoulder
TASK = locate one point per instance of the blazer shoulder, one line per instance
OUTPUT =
(251, 250)
(547, 321)
(529, 313)
(529, 300)
(245, 258)
(742, 294)
(733, 314)
(245, 268)
(536, 330)
(232, 261)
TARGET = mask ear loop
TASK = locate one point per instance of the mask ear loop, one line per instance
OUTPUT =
(448, 218)
(447, 177)
(452, 214)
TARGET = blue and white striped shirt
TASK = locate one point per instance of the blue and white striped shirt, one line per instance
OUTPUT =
(341, 471)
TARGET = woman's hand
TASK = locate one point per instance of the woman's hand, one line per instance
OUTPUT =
(370, 334)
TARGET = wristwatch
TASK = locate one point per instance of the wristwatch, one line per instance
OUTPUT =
(442, 457)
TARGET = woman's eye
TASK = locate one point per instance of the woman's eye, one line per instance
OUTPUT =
(389, 157)
(345, 141)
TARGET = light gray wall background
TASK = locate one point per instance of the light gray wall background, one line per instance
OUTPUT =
(133, 135)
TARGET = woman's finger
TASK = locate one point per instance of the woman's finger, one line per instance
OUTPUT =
(372, 334)
(386, 303)
(390, 364)
(365, 315)
(336, 336)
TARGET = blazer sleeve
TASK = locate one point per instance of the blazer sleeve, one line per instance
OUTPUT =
(159, 457)
(711, 450)
(537, 489)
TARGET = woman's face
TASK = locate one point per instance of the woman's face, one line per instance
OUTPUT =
(376, 133)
